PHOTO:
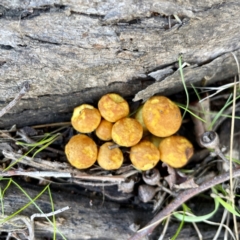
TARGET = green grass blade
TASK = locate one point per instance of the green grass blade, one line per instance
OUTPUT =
(197, 218)
(220, 112)
(46, 139)
(196, 92)
(229, 116)
(2, 204)
(18, 160)
(228, 206)
(43, 147)
(219, 188)
(7, 186)
(189, 111)
(3, 193)
(181, 224)
(227, 104)
(31, 201)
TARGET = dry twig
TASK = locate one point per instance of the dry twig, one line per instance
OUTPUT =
(180, 199)
(59, 167)
(17, 98)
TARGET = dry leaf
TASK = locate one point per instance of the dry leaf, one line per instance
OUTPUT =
(172, 177)
(190, 183)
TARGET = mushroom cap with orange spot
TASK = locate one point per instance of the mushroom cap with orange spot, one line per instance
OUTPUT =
(127, 132)
(161, 116)
(145, 155)
(85, 118)
(175, 151)
(104, 130)
(113, 107)
(81, 151)
(109, 159)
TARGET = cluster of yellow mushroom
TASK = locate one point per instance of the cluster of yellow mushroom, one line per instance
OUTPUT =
(149, 134)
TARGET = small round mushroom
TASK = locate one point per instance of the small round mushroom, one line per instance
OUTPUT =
(127, 132)
(104, 130)
(161, 116)
(85, 118)
(209, 140)
(81, 151)
(109, 159)
(144, 156)
(113, 107)
(175, 151)
(151, 177)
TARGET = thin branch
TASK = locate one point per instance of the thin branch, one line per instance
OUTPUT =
(225, 213)
(45, 215)
(52, 125)
(197, 230)
(93, 184)
(100, 178)
(35, 174)
(180, 199)
(59, 167)
(17, 98)
(49, 214)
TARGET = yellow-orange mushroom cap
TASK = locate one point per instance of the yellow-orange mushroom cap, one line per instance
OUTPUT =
(145, 155)
(81, 151)
(104, 130)
(161, 116)
(85, 118)
(113, 107)
(109, 159)
(127, 132)
(175, 151)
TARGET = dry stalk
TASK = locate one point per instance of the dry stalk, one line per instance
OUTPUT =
(231, 147)
(45, 215)
(59, 167)
(35, 174)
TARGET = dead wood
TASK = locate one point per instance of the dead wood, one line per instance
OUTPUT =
(90, 216)
(73, 52)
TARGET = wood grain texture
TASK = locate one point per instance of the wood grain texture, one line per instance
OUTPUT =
(74, 51)
(92, 217)
(89, 217)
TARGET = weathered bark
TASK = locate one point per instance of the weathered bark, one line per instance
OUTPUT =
(74, 51)
(92, 217)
